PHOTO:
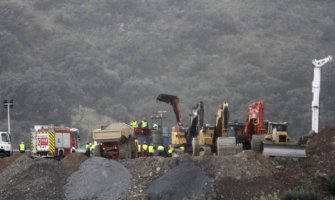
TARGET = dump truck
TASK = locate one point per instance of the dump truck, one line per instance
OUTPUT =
(53, 142)
(5, 144)
(116, 141)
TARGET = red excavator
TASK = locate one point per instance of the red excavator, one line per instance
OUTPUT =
(178, 134)
(254, 127)
(267, 137)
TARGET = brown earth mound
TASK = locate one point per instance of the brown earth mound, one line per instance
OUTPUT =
(72, 162)
(5, 162)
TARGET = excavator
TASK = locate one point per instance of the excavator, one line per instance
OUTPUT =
(254, 127)
(266, 137)
(179, 132)
(208, 139)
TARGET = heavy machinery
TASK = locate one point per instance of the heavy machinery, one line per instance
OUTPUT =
(53, 142)
(208, 139)
(316, 91)
(278, 143)
(225, 143)
(269, 138)
(254, 130)
(5, 144)
(179, 132)
(115, 141)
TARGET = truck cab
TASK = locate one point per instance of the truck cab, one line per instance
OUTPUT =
(5, 144)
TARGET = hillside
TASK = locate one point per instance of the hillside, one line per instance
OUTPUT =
(82, 62)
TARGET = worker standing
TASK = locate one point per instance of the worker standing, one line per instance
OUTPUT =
(87, 147)
(92, 149)
(22, 147)
(144, 123)
(134, 124)
(155, 126)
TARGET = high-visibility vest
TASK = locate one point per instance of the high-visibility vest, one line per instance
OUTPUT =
(182, 148)
(144, 124)
(22, 147)
(160, 148)
(144, 147)
(151, 149)
(87, 146)
(139, 148)
(170, 151)
(134, 124)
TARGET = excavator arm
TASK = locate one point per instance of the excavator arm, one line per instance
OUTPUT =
(254, 124)
(174, 101)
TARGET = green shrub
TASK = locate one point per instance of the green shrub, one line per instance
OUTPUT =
(273, 196)
(302, 192)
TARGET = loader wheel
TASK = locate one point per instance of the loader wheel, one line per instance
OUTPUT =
(257, 143)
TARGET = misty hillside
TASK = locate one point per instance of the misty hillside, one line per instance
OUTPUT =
(84, 62)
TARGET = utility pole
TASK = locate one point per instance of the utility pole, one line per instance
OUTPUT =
(8, 104)
(316, 91)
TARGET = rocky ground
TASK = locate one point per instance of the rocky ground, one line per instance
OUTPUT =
(242, 176)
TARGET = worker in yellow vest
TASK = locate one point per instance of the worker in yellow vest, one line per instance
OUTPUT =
(144, 123)
(22, 147)
(134, 124)
(182, 149)
(170, 150)
(161, 150)
(139, 150)
(145, 149)
(151, 150)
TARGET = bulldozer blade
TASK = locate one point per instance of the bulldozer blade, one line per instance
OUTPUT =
(284, 150)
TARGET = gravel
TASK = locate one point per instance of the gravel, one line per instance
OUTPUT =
(29, 179)
(98, 178)
(183, 181)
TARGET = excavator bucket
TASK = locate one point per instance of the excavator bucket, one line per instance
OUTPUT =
(284, 150)
(227, 146)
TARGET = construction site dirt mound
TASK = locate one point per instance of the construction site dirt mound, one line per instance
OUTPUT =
(72, 162)
(98, 178)
(183, 181)
(32, 180)
(321, 157)
(144, 170)
(6, 161)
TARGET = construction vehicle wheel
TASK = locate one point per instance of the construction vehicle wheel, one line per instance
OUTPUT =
(257, 143)
(123, 151)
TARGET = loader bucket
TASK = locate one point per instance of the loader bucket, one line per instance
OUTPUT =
(284, 150)
(227, 146)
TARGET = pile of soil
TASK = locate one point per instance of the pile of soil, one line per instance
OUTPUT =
(183, 181)
(72, 162)
(32, 180)
(6, 161)
(98, 178)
